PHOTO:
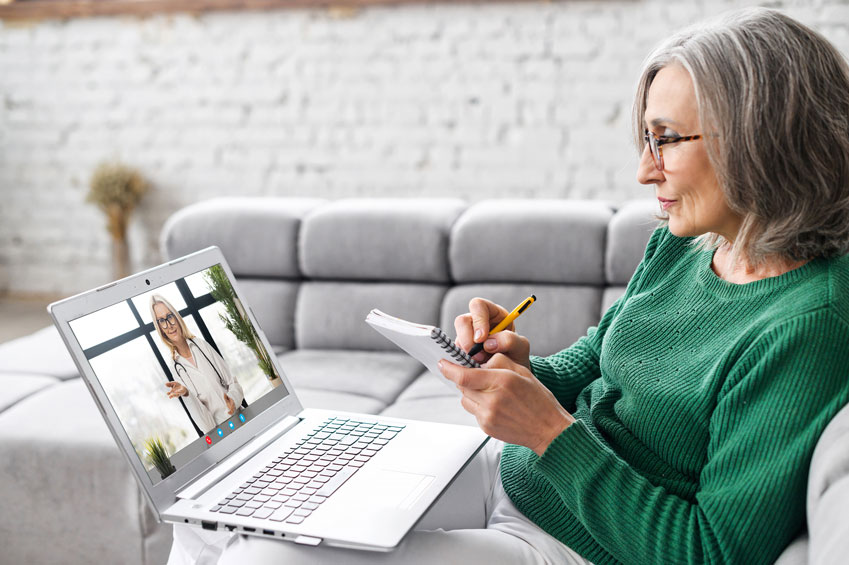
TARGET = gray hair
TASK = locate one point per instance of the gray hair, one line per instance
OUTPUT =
(776, 94)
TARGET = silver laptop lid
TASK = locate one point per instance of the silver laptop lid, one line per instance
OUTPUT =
(120, 337)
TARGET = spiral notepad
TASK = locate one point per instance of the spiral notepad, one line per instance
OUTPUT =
(455, 351)
(427, 344)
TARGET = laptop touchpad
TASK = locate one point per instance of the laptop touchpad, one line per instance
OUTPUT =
(399, 489)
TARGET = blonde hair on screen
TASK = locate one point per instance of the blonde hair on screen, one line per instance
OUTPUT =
(157, 299)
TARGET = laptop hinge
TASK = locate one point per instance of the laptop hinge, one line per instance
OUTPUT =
(211, 476)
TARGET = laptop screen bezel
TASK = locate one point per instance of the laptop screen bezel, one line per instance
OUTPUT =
(163, 493)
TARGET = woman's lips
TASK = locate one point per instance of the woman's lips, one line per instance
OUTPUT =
(665, 202)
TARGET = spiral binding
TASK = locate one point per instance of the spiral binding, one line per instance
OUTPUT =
(453, 350)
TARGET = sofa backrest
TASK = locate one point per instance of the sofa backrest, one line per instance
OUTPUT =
(390, 254)
(506, 250)
(312, 269)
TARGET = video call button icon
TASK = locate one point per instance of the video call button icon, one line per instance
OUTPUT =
(208, 440)
(232, 425)
(220, 432)
(242, 418)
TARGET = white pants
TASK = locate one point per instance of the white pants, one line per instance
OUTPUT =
(473, 522)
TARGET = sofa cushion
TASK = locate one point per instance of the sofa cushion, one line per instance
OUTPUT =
(379, 239)
(627, 236)
(430, 398)
(14, 387)
(331, 315)
(258, 236)
(443, 409)
(609, 296)
(376, 375)
(41, 353)
(559, 317)
(60, 455)
(548, 241)
(428, 385)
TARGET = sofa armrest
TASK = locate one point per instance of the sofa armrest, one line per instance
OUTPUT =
(828, 493)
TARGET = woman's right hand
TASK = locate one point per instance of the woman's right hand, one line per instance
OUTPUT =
(473, 327)
(176, 389)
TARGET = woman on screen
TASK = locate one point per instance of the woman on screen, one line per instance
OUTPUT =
(201, 376)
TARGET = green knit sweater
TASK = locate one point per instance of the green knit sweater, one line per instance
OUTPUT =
(698, 405)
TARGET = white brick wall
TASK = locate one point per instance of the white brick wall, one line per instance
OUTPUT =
(472, 100)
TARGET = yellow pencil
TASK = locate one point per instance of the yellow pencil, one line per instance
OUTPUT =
(478, 347)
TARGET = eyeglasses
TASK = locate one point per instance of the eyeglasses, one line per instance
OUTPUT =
(655, 142)
(169, 320)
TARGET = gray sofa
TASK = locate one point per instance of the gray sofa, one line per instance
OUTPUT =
(311, 270)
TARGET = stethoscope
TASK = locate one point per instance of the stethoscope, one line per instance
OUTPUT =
(178, 365)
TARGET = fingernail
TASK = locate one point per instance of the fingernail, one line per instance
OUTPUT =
(478, 334)
(440, 364)
(489, 344)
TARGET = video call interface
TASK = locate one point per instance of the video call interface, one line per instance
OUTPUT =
(182, 366)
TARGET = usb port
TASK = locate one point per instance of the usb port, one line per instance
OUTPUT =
(209, 525)
(247, 529)
(268, 532)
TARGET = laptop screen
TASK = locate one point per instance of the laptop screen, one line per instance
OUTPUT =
(182, 366)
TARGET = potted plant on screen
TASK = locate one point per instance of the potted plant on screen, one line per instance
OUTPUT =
(236, 320)
(158, 456)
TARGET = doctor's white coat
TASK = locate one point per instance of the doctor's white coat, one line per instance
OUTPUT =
(207, 384)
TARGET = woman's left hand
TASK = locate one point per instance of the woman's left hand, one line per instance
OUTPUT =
(231, 406)
(509, 402)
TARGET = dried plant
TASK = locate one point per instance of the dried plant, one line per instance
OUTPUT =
(117, 189)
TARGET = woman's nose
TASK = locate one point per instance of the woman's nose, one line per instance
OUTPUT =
(647, 172)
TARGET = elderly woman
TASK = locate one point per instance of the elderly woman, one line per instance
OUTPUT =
(201, 376)
(680, 429)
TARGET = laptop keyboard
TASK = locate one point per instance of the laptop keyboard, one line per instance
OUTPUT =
(293, 485)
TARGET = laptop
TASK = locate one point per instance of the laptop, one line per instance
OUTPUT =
(215, 433)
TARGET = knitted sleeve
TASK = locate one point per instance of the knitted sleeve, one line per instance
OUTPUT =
(567, 372)
(774, 405)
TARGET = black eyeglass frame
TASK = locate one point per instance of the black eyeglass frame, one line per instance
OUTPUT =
(656, 142)
(169, 320)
